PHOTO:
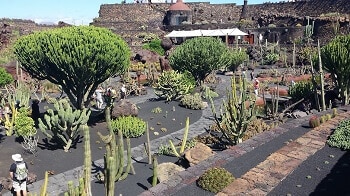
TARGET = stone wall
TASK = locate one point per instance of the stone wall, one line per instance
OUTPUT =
(131, 19)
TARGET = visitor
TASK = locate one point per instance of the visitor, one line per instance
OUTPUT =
(252, 75)
(256, 86)
(293, 83)
(98, 97)
(123, 92)
(18, 174)
(35, 111)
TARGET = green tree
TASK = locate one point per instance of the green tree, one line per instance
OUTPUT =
(200, 56)
(5, 77)
(76, 58)
(335, 57)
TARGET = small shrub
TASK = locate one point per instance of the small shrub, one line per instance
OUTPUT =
(131, 126)
(207, 93)
(164, 150)
(173, 85)
(341, 136)
(155, 46)
(302, 89)
(271, 58)
(193, 102)
(215, 179)
(157, 110)
(24, 124)
(314, 121)
(255, 127)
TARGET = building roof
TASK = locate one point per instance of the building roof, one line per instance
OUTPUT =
(179, 5)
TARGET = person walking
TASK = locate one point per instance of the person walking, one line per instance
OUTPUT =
(252, 75)
(256, 84)
(19, 174)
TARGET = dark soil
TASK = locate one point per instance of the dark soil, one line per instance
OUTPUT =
(51, 157)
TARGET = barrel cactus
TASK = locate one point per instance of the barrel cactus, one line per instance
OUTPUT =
(215, 179)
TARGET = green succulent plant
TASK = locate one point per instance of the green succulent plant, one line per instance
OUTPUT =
(130, 126)
(215, 179)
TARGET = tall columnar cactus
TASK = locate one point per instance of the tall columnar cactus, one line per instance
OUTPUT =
(155, 171)
(309, 29)
(64, 124)
(114, 157)
(323, 102)
(87, 161)
(184, 140)
(236, 112)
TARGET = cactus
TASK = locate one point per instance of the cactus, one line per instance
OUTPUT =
(309, 29)
(114, 156)
(235, 114)
(334, 112)
(148, 145)
(65, 124)
(314, 121)
(323, 102)
(184, 140)
(10, 121)
(155, 171)
(76, 190)
(328, 116)
(173, 85)
(323, 119)
(87, 161)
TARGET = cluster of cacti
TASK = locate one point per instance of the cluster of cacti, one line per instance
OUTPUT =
(184, 140)
(18, 97)
(215, 179)
(130, 126)
(207, 93)
(335, 59)
(314, 121)
(236, 112)
(193, 102)
(64, 124)
(114, 157)
(76, 190)
(255, 127)
(173, 85)
(24, 124)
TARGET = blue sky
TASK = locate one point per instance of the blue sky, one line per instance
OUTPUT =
(76, 12)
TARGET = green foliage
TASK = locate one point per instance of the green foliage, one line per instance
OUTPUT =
(64, 123)
(157, 110)
(314, 121)
(335, 59)
(130, 126)
(155, 46)
(271, 58)
(255, 127)
(200, 56)
(164, 150)
(305, 53)
(302, 89)
(341, 136)
(5, 77)
(233, 58)
(207, 93)
(215, 179)
(236, 112)
(77, 58)
(173, 85)
(24, 124)
(193, 102)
